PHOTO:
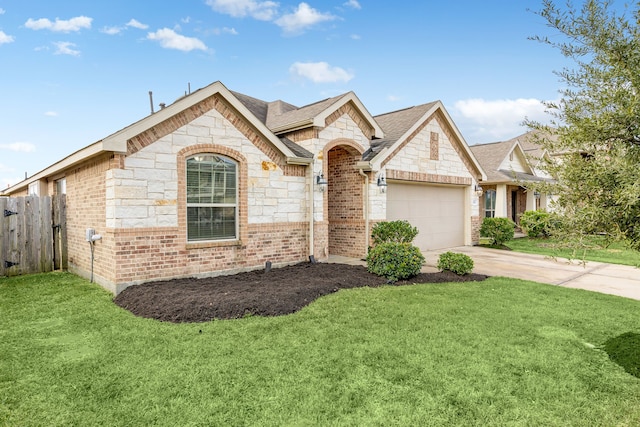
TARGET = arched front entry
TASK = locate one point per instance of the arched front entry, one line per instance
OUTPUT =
(345, 201)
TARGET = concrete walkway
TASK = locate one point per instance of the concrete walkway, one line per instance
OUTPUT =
(611, 279)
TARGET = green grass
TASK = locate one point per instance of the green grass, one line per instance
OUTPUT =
(616, 253)
(498, 352)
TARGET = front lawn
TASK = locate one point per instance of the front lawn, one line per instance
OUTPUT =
(616, 253)
(497, 352)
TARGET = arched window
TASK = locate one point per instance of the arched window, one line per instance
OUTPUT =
(212, 198)
(490, 203)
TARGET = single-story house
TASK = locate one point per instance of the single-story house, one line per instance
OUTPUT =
(219, 182)
(509, 166)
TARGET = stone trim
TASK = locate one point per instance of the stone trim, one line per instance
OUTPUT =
(243, 211)
(218, 103)
(434, 146)
(355, 115)
(303, 134)
(426, 177)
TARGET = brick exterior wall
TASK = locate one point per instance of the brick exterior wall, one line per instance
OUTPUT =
(150, 254)
(86, 209)
(345, 203)
(137, 200)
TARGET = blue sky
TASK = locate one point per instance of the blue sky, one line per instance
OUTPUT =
(76, 71)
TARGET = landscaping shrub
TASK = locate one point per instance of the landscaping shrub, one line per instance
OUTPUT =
(536, 223)
(460, 264)
(395, 261)
(393, 232)
(499, 230)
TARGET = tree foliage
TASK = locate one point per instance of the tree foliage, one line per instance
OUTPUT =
(595, 127)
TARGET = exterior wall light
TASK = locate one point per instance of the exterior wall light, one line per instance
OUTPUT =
(382, 183)
(321, 182)
(478, 190)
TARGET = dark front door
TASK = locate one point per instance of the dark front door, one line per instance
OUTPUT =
(514, 205)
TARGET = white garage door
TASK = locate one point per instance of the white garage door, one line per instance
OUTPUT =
(437, 211)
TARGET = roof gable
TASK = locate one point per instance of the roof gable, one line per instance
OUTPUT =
(401, 126)
(505, 161)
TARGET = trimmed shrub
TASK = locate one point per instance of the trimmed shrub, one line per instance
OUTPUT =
(393, 232)
(395, 261)
(538, 223)
(499, 230)
(460, 264)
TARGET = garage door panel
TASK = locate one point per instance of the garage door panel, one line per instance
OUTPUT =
(437, 212)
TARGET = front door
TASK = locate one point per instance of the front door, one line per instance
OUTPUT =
(514, 205)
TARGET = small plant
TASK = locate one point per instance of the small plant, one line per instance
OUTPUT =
(395, 261)
(536, 223)
(393, 232)
(499, 230)
(459, 264)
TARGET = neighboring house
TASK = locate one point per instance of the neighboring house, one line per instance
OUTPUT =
(509, 166)
(220, 182)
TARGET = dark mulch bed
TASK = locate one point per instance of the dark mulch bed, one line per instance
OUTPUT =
(277, 292)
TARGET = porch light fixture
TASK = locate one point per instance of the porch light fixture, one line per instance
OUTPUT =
(536, 194)
(321, 182)
(382, 183)
(478, 190)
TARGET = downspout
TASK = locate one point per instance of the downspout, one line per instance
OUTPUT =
(311, 213)
(366, 210)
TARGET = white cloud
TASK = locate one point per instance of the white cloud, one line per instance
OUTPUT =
(169, 39)
(320, 72)
(353, 4)
(261, 10)
(490, 121)
(393, 98)
(137, 24)
(304, 17)
(21, 147)
(51, 114)
(225, 30)
(111, 30)
(5, 38)
(355, 36)
(2, 11)
(65, 48)
(62, 26)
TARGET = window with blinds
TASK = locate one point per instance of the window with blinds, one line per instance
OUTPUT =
(490, 203)
(212, 194)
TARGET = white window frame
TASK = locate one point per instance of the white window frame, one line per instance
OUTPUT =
(490, 199)
(214, 186)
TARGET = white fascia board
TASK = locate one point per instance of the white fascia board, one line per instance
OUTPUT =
(320, 119)
(69, 161)
(483, 175)
(118, 141)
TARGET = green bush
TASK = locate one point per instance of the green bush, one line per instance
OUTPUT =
(393, 232)
(499, 230)
(460, 264)
(395, 261)
(536, 223)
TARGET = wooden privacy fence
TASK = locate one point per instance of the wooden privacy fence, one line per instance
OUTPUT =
(33, 236)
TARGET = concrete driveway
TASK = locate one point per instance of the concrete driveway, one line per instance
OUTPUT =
(611, 279)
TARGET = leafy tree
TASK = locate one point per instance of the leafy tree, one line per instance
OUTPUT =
(595, 127)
